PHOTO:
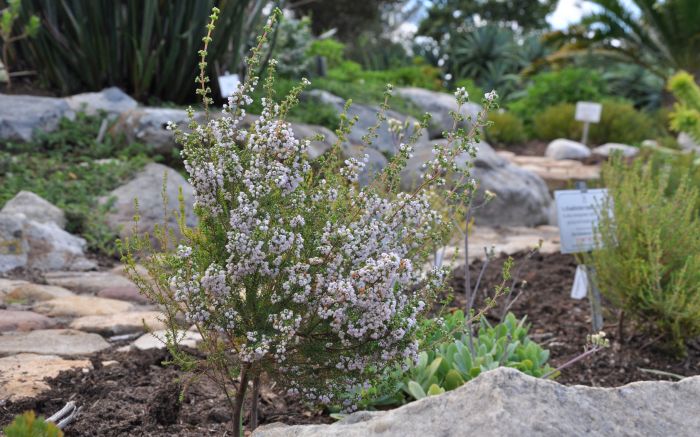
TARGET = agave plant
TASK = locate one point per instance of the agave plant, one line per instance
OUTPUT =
(661, 36)
(142, 46)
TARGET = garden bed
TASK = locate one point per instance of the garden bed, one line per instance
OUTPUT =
(137, 394)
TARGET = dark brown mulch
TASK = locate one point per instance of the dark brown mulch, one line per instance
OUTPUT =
(138, 396)
(561, 325)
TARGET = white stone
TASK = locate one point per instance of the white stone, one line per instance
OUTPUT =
(77, 306)
(687, 142)
(63, 342)
(156, 340)
(22, 375)
(505, 402)
(35, 208)
(120, 323)
(607, 149)
(87, 282)
(567, 149)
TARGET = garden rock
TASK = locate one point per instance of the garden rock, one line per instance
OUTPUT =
(608, 149)
(129, 293)
(501, 401)
(439, 105)
(35, 208)
(111, 100)
(63, 342)
(522, 197)
(77, 306)
(147, 187)
(43, 246)
(147, 125)
(28, 292)
(22, 375)
(120, 323)
(686, 142)
(87, 282)
(567, 149)
(23, 321)
(156, 340)
(367, 117)
(21, 116)
(316, 147)
(375, 163)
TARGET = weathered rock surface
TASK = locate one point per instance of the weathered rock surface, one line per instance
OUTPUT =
(21, 116)
(156, 340)
(562, 148)
(522, 197)
(35, 208)
(505, 402)
(42, 246)
(23, 321)
(22, 375)
(608, 149)
(375, 162)
(147, 187)
(147, 125)
(28, 292)
(77, 306)
(112, 101)
(129, 293)
(87, 282)
(316, 147)
(439, 105)
(384, 142)
(120, 323)
(63, 342)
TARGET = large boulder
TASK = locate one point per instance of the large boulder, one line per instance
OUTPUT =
(112, 101)
(567, 149)
(35, 208)
(522, 197)
(21, 116)
(147, 188)
(505, 402)
(43, 246)
(367, 117)
(439, 105)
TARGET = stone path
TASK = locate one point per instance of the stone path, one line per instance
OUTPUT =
(557, 173)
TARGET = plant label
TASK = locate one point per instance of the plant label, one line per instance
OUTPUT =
(580, 287)
(228, 83)
(577, 213)
(588, 112)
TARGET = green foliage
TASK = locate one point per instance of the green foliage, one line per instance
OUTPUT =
(329, 48)
(615, 124)
(71, 170)
(8, 20)
(649, 263)
(446, 365)
(506, 128)
(470, 86)
(141, 46)
(28, 425)
(291, 45)
(686, 113)
(568, 85)
(636, 84)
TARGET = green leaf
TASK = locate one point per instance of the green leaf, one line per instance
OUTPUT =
(415, 390)
(435, 390)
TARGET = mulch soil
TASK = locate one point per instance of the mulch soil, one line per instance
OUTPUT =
(138, 395)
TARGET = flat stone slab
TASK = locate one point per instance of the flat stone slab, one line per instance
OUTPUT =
(86, 282)
(28, 292)
(506, 402)
(129, 293)
(156, 340)
(11, 320)
(554, 170)
(118, 324)
(63, 342)
(22, 375)
(77, 306)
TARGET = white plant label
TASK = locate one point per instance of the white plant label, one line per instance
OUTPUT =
(228, 84)
(580, 288)
(588, 112)
(577, 213)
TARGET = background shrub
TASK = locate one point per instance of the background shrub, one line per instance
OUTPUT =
(649, 265)
(557, 121)
(507, 129)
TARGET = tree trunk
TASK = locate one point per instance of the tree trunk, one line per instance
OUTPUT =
(238, 405)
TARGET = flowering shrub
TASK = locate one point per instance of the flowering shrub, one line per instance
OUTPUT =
(294, 271)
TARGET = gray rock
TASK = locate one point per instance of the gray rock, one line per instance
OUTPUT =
(307, 131)
(567, 149)
(21, 116)
(367, 117)
(522, 197)
(505, 402)
(375, 164)
(87, 282)
(79, 306)
(608, 149)
(147, 125)
(147, 187)
(63, 342)
(439, 105)
(43, 246)
(11, 320)
(111, 100)
(35, 208)
(687, 142)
